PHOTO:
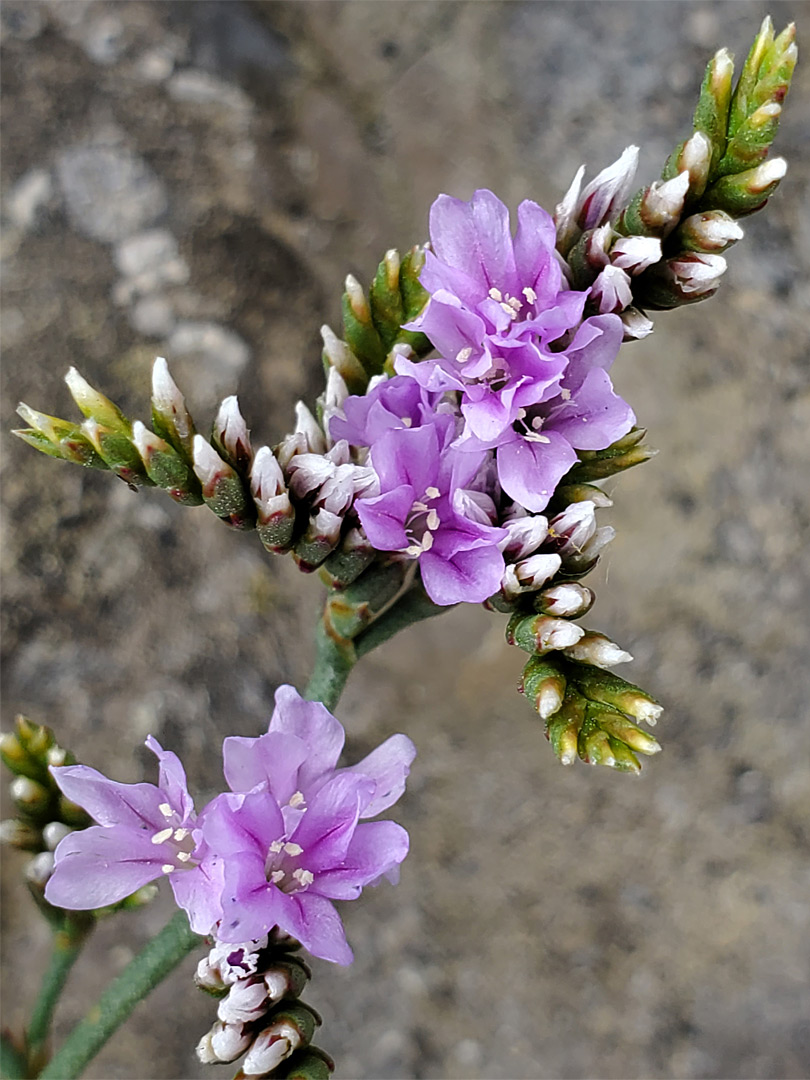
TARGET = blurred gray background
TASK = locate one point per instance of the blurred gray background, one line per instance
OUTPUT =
(550, 922)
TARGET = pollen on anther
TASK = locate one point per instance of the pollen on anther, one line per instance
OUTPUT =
(406, 420)
(427, 541)
(432, 492)
(181, 834)
(293, 849)
(464, 354)
(530, 294)
(277, 876)
(297, 799)
(433, 519)
(162, 836)
(184, 856)
(565, 394)
(495, 294)
(166, 810)
(275, 847)
(304, 877)
(167, 868)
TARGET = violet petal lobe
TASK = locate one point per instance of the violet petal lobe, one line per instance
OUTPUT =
(100, 866)
(375, 849)
(530, 471)
(388, 766)
(108, 802)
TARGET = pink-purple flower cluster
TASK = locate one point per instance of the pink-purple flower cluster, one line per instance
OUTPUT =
(487, 429)
(289, 837)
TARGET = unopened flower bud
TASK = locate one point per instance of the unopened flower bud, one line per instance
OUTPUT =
(568, 600)
(565, 215)
(562, 729)
(543, 683)
(655, 211)
(30, 795)
(170, 417)
(285, 979)
(20, 834)
(292, 1027)
(309, 1064)
(165, 467)
(635, 253)
(349, 560)
(118, 451)
(95, 405)
(275, 513)
(54, 833)
(574, 493)
(245, 1002)
(223, 1043)
(319, 540)
(231, 437)
(636, 324)
(694, 156)
(308, 426)
(619, 727)
(594, 748)
(711, 232)
(594, 648)
(612, 690)
(711, 114)
(359, 329)
(339, 356)
(221, 486)
(40, 869)
(607, 193)
(611, 291)
(541, 633)
(745, 192)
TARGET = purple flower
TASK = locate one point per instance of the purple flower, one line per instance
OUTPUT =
(144, 832)
(399, 402)
(530, 374)
(292, 836)
(425, 511)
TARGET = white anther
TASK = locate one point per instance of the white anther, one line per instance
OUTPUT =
(495, 294)
(419, 506)
(534, 436)
(184, 856)
(406, 420)
(537, 423)
(297, 799)
(275, 847)
(277, 876)
(565, 394)
(427, 541)
(433, 519)
(167, 868)
(510, 311)
(162, 836)
(514, 303)
(464, 354)
(293, 849)
(181, 834)
(166, 810)
(432, 493)
(414, 549)
(530, 294)
(521, 414)
(304, 877)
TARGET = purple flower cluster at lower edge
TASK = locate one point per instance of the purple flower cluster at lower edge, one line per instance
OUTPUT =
(289, 837)
(485, 431)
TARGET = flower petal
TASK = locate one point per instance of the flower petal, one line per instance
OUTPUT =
(311, 722)
(530, 471)
(102, 865)
(273, 759)
(468, 576)
(388, 766)
(108, 802)
(375, 849)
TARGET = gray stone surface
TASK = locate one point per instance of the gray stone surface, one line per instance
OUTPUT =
(549, 922)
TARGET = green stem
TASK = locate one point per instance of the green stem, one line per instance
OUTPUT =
(68, 939)
(334, 661)
(335, 658)
(414, 606)
(150, 966)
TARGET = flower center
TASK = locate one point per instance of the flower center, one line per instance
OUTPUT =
(282, 870)
(176, 842)
(421, 523)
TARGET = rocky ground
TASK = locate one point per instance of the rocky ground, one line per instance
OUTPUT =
(194, 179)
